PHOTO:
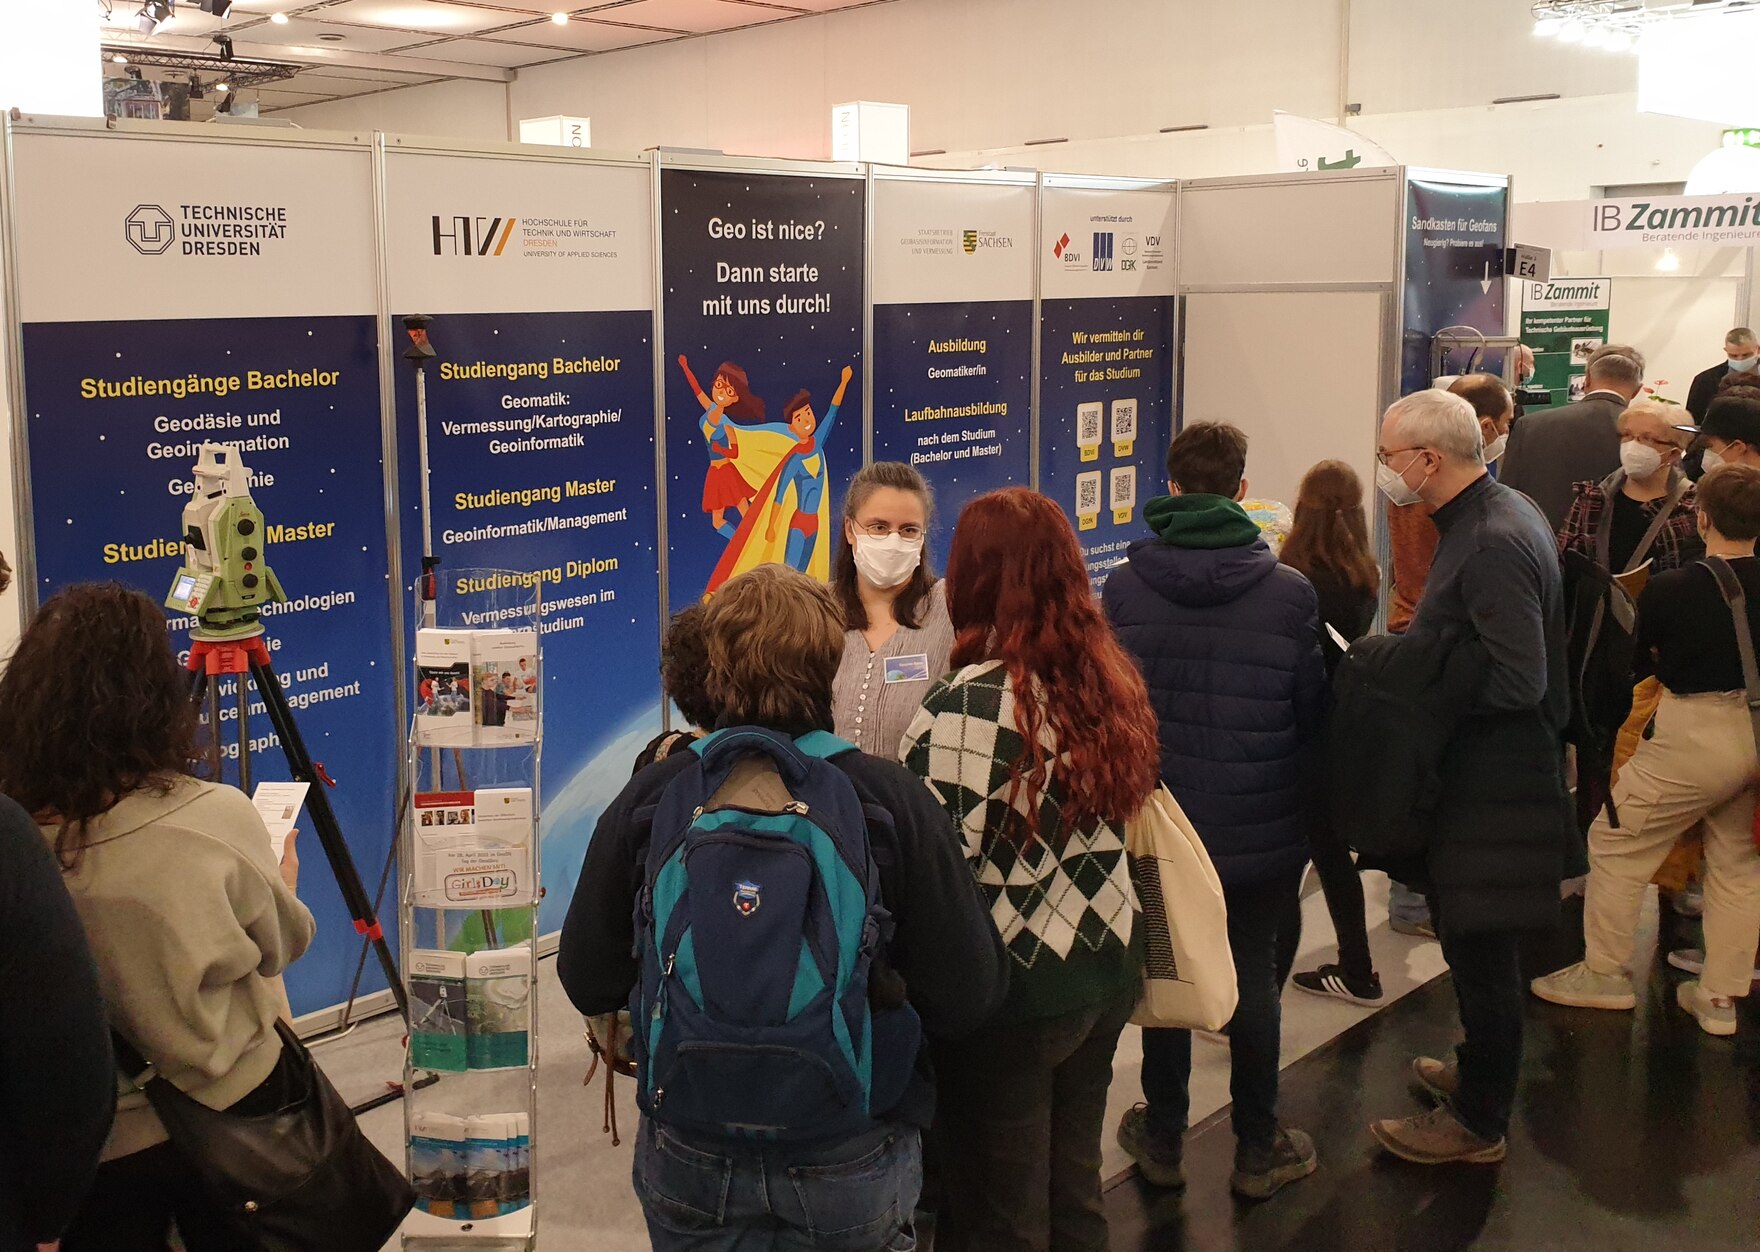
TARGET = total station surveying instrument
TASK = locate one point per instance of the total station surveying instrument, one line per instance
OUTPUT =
(224, 582)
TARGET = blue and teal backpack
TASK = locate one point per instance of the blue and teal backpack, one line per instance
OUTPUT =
(757, 929)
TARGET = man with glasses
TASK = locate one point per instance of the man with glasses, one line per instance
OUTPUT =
(1741, 352)
(1549, 453)
(1502, 824)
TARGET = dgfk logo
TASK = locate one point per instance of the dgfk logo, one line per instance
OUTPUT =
(472, 236)
(150, 230)
(1103, 250)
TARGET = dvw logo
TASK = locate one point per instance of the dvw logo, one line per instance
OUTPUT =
(1102, 250)
(472, 236)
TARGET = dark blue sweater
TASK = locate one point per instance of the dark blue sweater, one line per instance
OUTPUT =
(1229, 643)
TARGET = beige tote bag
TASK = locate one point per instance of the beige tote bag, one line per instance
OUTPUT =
(1188, 969)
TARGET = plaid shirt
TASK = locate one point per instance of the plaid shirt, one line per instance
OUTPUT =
(1677, 544)
(1063, 900)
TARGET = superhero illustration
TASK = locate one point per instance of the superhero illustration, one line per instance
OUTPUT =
(729, 399)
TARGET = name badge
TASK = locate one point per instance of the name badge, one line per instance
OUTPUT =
(907, 669)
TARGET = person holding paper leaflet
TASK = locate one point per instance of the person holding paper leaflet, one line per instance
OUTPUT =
(190, 919)
(1329, 543)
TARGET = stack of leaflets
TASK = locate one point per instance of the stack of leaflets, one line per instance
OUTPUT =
(473, 849)
(471, 1168)
(476, 688)
(470, 1011)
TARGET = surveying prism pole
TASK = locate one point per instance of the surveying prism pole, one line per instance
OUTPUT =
(224, 582)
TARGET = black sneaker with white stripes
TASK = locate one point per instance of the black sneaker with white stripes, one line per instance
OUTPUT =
(1333, 981)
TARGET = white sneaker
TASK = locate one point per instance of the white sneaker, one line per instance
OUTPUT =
(1580, 987)
(1717, 1016)
(1692, 961)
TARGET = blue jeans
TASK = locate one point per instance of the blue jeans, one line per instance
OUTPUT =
(1264, 929)
(714, 1195)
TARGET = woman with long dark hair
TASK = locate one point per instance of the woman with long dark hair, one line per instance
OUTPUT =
(897, 637)
(1041, 745)
(189, 918)
(1329, 543)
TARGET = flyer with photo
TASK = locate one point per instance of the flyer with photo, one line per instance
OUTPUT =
(498, 985)
(473, 849)
(504, 680)
(443, 688)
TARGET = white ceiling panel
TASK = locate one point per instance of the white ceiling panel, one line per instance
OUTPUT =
(303, 33)
(581, 35)
(480, 52)
(696, 16)
(422, 15)
(821, 6)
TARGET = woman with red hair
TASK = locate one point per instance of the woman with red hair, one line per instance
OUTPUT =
(1041, 745)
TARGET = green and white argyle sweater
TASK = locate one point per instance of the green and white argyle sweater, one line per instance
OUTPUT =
(1063, 900)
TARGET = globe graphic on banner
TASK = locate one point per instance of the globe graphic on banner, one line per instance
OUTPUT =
(569, 818)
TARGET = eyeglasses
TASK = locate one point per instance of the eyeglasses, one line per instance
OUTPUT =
(1660, 444)
(1382, 455)
(879, 530)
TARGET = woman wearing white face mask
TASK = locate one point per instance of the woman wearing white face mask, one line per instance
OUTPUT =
(1648, 499)
(895, 610)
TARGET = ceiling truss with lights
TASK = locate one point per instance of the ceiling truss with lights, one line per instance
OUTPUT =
(1618, 25)
(335, 49)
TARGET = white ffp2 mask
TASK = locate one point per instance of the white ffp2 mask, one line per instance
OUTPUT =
(1639, 460)
(887, 561)
(1393, 486)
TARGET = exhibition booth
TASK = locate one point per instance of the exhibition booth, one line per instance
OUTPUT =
(612, 335)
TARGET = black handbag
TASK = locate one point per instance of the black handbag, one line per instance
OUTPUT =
(302, 1178)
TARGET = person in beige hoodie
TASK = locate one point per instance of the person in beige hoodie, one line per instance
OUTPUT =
(188, 915)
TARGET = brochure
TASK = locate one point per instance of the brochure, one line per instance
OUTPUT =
(473, 849)
(498, 985)
(439, 1011)
(443, 688)
(504, 670)
(279, 804)
(472, 1168)
(437, 1154)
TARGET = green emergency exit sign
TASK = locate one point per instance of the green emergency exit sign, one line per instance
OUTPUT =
(1747, 137)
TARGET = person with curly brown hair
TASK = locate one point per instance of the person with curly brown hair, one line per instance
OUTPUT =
(188, 916)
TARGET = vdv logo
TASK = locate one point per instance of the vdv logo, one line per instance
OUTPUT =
(1102, 250)
(150, 230)
(472, 236)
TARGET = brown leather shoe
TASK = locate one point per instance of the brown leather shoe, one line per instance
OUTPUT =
(1437, 1079)
(1437, 1138)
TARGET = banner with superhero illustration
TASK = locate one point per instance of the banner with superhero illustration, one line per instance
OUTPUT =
(763, 277)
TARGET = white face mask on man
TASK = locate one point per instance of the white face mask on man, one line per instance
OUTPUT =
(1495, 448)
(887, 561)
(1393, 486)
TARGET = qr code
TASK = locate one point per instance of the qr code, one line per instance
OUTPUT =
(1089, 418)
(1087, 494)
(1124, 421)
(1124, 488)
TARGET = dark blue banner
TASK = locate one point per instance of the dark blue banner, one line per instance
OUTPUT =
(1454, 271)
(1105, 416)
(117, 412)
(953, 397)
(541, 453)
(763, 306)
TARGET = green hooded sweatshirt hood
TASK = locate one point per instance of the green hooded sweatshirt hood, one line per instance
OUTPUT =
(1200, 521)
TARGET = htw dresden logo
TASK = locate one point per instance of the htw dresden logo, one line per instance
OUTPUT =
(150, 230)
(472, 236)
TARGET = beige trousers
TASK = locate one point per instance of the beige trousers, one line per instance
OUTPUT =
(1696, 767)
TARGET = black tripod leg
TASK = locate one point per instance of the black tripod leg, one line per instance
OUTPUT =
(348, 878)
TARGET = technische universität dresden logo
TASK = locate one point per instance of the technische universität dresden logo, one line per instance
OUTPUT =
(150, 230)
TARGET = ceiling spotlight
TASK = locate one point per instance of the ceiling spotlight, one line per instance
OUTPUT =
(119, 59)
(1571, 31)
(1595, 37)
(223, 88)
(196, 90)
(1547, 27)
(219, 8)
(278, 19)
(152, 15)
(561, 19)
(224, 43)
(1668, 262)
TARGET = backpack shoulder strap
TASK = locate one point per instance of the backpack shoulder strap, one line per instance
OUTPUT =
(824, 745)
(1610, 489)
(1736, 597)
(1677, 487)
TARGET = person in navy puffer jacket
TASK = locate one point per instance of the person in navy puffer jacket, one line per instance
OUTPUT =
(1229, 643)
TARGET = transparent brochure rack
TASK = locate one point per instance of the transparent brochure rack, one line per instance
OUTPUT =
(468, 914)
